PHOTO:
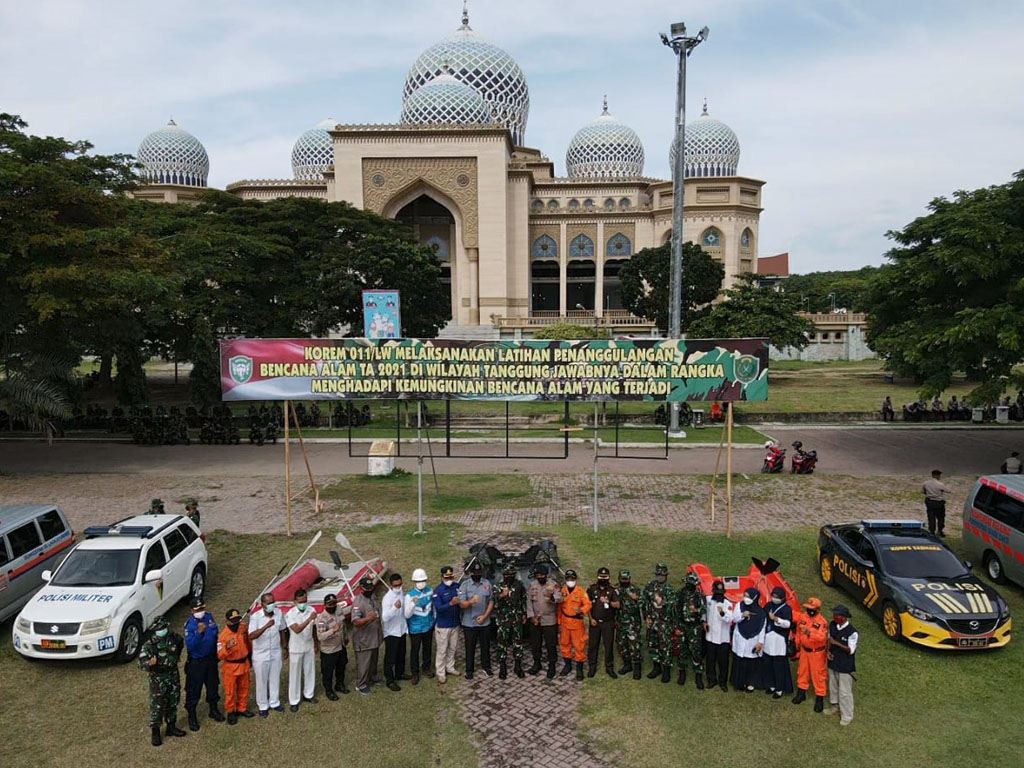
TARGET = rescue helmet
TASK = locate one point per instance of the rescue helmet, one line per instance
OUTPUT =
(692, 579)
(419, 575)
(813, 603)
(160, 622)
(570, 574)
(797, 444)
(661, 569)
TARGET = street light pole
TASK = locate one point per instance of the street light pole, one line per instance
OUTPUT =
(682, 46)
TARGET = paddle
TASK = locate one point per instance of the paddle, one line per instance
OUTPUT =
(340, 538)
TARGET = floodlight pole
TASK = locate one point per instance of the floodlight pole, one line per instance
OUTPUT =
(419, 469)
(682, 46)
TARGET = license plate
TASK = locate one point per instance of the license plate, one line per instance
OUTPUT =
(972, 642)
(55, 644)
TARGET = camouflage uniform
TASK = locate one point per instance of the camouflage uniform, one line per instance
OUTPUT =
(164, 680)
(192, 511)
(509, 616)
(630, 622)
(659, 601)
(156, 507)
(690, 612)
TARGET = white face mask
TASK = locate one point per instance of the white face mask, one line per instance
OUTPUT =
(570, 584)
(199, 614)
(421, 585)
(449, 582)
(777, 600)
(748, 600)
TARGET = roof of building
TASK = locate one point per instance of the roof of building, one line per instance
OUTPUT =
(774, 265)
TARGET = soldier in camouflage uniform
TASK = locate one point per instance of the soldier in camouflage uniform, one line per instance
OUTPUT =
(159, 656)
(192, 510)
(659, 603)
(510, 616)
(630, 622)
(690, 612)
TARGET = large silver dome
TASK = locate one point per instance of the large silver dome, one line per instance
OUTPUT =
(712, 148)
(485, 67)
(313, 152)
(445, 100)
(172, 155)
(605, 147)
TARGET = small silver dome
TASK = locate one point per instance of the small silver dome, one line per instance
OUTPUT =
(712, 148)
(313, 152)
(172, 155)
(605, 147)
(445, 100)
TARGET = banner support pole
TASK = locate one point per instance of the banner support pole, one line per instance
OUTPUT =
(419, 469)
(728, 475)
(714, 477)
(287, 467)
(596, 437)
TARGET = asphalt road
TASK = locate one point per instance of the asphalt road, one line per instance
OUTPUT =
(860, 451)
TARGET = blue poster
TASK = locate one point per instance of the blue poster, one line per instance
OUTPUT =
(382, 316)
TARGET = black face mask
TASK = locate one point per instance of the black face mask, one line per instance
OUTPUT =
(234, 625)
(602, 580)
(331, 608)
(510, 578)
(811, 612)
(718, 598)
(368, 592)
(476, 576)
(625, 584)
(542, 579)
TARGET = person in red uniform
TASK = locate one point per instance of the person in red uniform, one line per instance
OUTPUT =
(235, 650)
(812, 642)
(572, 614)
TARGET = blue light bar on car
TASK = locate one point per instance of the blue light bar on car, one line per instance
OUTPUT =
(141, 531)
(892, 523)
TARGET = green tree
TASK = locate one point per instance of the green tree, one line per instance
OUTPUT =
(952, 297)
(570, 331)
(850, 288)
(645, 283)
(750, 311)
(204, 379)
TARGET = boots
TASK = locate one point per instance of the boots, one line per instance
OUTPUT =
(801, 696)
(611, 672)
(591, 670)
(535, 669)
(502, 669)
(682, 676)
(193, 721)
(566, 667)
(579, 670)
(819, 703)
(173, 729)
(699, 679)
(551, 669)
(666, 673)
(519, 669)
(655, 671)
(155, 738)
(626, 668)
(215, 714)
(638, 669)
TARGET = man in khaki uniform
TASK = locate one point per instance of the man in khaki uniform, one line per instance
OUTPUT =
(542, 599)
(367, 634)
(935, 492)
(330, 631)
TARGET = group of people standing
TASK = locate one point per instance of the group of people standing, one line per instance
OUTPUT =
(560, 622)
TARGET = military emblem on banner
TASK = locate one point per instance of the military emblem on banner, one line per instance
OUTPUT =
(747, 368)
(240, 367)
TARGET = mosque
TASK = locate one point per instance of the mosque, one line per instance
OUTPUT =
(519, 246)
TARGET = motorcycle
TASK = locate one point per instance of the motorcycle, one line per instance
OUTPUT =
(774, 460)
(804, 463)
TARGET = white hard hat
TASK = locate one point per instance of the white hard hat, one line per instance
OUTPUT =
(769, 444)
(419, 575)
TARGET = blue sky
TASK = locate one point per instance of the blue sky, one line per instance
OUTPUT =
(855, 112)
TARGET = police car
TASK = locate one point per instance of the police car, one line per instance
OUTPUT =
(920, 589)
(111, 586)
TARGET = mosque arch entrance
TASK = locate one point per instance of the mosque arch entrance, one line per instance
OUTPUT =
(434, 226)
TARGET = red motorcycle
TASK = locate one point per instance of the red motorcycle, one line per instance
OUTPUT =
(774, 459)
(803, 462)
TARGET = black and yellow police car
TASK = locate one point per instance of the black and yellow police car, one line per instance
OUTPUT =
(917, 586)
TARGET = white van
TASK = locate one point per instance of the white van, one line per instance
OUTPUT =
(994, 526)
(32, 539)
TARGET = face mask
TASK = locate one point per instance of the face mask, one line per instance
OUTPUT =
(301, 606)
(161, 632)
(331, 608)
(718, 598)
(269, 609)
(421, 585)
(624, 584)
(368, 592)
(509, 578)
(602, 580)
(199, 614)
(449, 582)
(542, 579)
(477, 576)
(570, 584)
(233, 625)
(777, 600)
(748, 600)
(811, 612)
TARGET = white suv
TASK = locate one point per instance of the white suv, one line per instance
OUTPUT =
(111, 587)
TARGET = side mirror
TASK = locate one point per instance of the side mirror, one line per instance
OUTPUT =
(155, 575)
(869, 563)
(46, 575)
(969, 564)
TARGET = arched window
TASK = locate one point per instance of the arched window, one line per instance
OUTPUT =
(747, 240)
(552, 205)
(574, 204)
(612, 284)
(581, 247)
(609, 204)
(545, 247)
(538, 205)
(588, 204)
(618, 246)
(544, 281)
(580, 281)
(712, 238)
(439, 246)
(624, 203)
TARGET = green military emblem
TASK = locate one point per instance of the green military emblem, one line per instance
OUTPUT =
(747, 368)
(241, 368)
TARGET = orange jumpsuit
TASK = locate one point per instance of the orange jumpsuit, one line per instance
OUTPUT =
(235, 650)
(573, 633)
(812, 640)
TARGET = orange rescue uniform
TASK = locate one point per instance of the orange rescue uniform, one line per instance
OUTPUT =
(812, 640)
(573, 633)
(235, 650)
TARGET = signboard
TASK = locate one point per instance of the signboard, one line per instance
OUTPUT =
(655, 370)
(382, 315)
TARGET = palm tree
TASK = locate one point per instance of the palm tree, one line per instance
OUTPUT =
(35, 388)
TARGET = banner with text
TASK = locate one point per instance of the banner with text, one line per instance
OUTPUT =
(448, 369)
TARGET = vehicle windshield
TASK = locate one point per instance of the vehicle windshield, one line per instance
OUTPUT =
(98, 568)
(921, 561)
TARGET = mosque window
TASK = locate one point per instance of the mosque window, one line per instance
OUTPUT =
(581, 247)
(552, 205)
(619, 245)
(624, 203)
(574, 204)
(609, 203)
(712, 238)
(588, 204)
(544, 247)
(745, 239)
(538, 205)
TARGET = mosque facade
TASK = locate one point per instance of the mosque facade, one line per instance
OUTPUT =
(520, 247)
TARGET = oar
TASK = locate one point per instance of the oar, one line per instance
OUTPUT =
(266, 587)
(340, 538)
(306, 550)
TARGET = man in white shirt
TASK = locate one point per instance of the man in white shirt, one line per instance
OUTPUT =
(716, 636)
(392, 614)
(302, 650)
(268, 634)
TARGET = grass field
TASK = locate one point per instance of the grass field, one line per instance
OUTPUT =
(914, 707)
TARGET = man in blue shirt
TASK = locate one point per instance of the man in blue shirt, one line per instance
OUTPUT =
(201, 666)
(446, 628)
(476, 599)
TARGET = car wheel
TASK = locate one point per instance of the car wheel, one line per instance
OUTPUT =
(891, 623)
(994, 568)
(825, 571)
(131, 640)
(197, 583)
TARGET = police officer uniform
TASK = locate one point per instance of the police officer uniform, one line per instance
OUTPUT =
(604, 609)
(201, 667)
(543, 597)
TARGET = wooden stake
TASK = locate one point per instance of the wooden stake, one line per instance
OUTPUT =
(287, 468)
(728, 474)
(714, 477)
(309, 470)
